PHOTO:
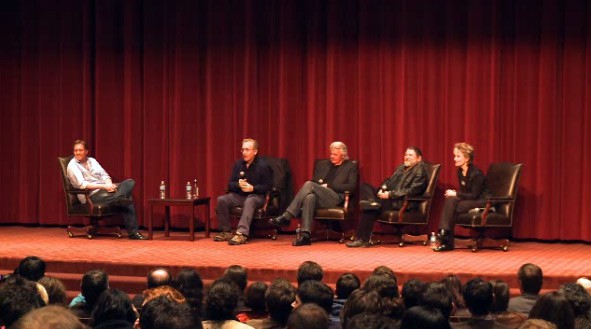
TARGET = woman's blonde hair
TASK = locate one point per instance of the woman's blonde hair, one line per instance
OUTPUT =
(466, 149)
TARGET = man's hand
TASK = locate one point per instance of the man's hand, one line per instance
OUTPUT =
(450, 193)
(110, 187)
(383, 195)
(244, 186)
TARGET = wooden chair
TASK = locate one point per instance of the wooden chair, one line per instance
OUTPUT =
(502, 179)
(414, 218)
(92, 211)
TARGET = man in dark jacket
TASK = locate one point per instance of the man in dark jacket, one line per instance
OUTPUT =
(409, 179)
(332, 178)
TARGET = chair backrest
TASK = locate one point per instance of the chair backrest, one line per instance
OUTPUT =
(282, 182)
(432, 170)
(502, 179)
(70, 198)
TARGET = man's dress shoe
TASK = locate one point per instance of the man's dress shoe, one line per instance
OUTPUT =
(137, 236)
(279, 221)
(303, 240)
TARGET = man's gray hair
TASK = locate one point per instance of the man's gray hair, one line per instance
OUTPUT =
(341, 146)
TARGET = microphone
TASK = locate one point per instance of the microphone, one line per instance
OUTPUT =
(320, 181)
(242, 175)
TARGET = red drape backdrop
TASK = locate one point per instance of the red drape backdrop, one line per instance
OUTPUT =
(166, 90)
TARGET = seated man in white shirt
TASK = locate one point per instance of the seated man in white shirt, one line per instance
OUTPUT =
(85, 172)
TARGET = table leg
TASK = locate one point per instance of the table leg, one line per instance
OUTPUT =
(167, 221)
(207, 221)
(150, 230)
(192, 224)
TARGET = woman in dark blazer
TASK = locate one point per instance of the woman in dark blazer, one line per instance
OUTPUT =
(471, 194)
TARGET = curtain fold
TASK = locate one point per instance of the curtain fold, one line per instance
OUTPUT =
(166, 90)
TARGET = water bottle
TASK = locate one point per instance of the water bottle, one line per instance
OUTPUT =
(195, 189)
(162, 190)
(433, 240)
(189, 191)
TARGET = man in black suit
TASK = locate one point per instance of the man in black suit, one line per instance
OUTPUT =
(332, 177)
(410, 178)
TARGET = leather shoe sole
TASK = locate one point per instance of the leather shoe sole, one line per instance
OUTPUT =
(302, 241)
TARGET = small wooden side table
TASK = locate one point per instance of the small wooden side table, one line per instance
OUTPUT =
(167, 203)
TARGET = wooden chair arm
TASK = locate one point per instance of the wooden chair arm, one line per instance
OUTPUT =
(347, 199)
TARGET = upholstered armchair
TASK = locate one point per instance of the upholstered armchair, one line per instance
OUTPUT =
(502, 179)
(90, 210)
(414, 218)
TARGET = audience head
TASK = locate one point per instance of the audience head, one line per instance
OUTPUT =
(189, 283)
(55, 290)
(411, 292)
(555, 308)
(585, 283)
(164, 291)
(31, 268)
(578, 297)
(159, 277)
(308, 316)
(113, 304)
(346, 284)
(238, 275)
(530, 278)
(367, 320)
(436, 295)
(93, 284)
(384, 270)
(309, 270)
(316, 292)
(466, 150)
(49, 317)
(422, 317)
(279, 299)
(478, 295)
(222, 299)
(501, 296)
(255, 296)
(360, 301)
(385, 285)
(18, 296)
(164, 313)
(454, 285)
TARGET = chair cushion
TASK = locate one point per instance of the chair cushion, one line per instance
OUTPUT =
(474, 219)
(410, 217)
(336, 213)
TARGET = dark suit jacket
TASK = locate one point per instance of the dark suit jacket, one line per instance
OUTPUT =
(345, 179)
(401, 183)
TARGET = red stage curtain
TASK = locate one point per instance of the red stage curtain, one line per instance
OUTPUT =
(167, 90)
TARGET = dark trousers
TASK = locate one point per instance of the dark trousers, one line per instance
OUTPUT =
(368, 217)
(249, 204)
(454, 206)
(124, 188)
(310, 196)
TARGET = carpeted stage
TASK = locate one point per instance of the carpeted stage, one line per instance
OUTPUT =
(128, 261)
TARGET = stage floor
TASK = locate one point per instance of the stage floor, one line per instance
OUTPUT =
(128, 261)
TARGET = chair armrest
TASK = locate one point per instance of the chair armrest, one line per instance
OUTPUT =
(502, 199)
(417, 198)
(347, 199)
(78, 191)
(267, 198)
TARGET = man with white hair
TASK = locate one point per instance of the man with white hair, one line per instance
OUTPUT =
(331, 178)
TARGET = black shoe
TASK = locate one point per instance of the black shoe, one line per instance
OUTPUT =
(358, 243)
(444, 247)
(279, 221)
(137, 236)
(303, 240)
(369, 205)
